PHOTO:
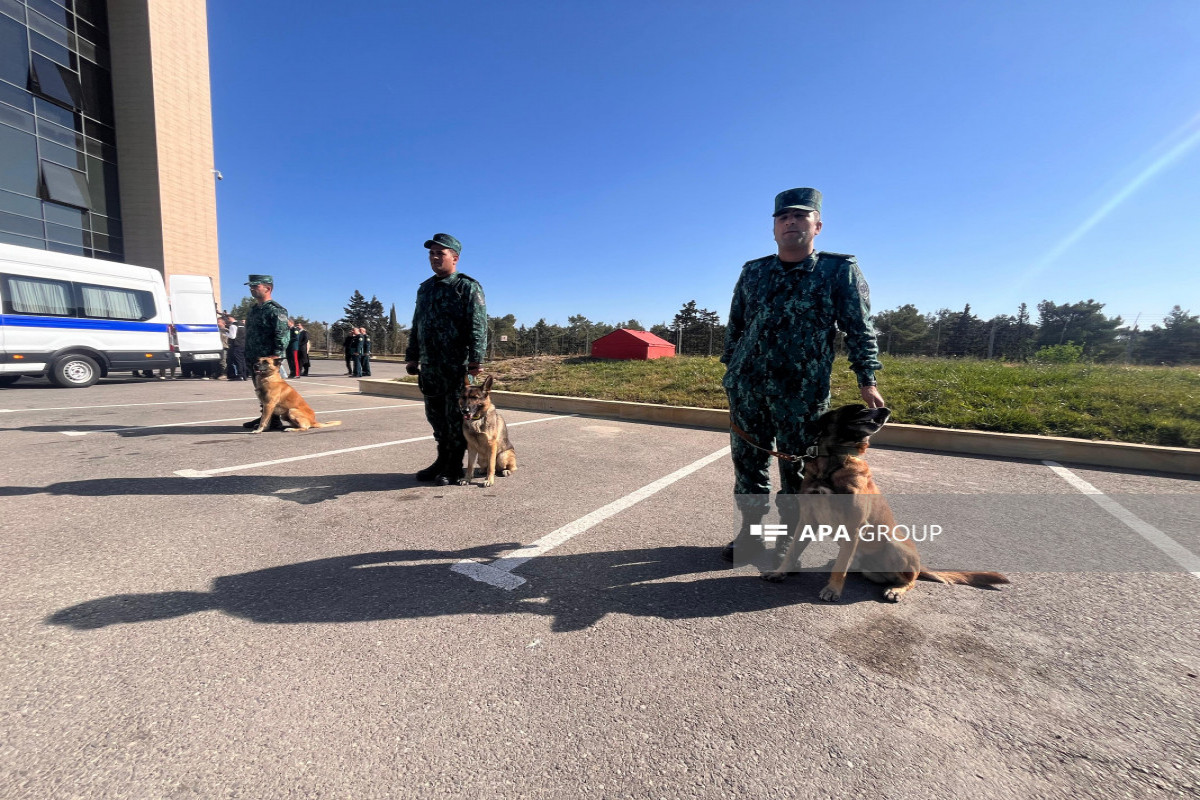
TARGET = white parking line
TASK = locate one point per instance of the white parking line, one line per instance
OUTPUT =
(499, 572)
(204, 473)
(166, 403)
(228, 419)
(1171, 548)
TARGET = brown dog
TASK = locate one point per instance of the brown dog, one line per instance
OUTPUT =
(281, 400)
(839, 469)
(485, 432)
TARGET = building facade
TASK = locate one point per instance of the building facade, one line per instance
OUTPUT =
(106, 132)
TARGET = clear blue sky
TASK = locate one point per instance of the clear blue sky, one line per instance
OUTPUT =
(617, 159)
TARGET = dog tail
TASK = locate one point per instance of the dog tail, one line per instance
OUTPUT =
(980, 580)
(326, 424)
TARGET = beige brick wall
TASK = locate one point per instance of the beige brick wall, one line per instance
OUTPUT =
(164, 135)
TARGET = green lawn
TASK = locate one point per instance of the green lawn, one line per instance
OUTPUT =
(1148, 405)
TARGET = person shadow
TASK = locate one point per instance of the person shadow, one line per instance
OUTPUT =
(574, 591)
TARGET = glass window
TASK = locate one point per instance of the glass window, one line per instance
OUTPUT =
(102, 182)
(107, 225)
(97, 92)
(14, 96)
(102, 132)
(18, 161)
(59, 134)
(67, 156)
(47, 110)
(101, 150)
(18, 119)
(52, 10)
(66, 186)
(11, 223)
(14, 8)
(61, 233)
(110, 303)
(37, 296)
(94, 11)
(14, 51)
(20, 204)
(64, 215)
(55, 82)
(50, 48)
(55, 33)
(72, 249)
(23, 241)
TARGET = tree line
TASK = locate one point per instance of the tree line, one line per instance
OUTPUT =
(1061, 332)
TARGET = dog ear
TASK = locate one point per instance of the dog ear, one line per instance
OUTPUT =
(487, 384)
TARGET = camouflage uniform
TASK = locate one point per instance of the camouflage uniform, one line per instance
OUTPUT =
(267, 332)
(779, 351)
(449, 331)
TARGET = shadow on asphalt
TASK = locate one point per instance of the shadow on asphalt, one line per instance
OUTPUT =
(576, 591)
(230, 428)
(301, 490)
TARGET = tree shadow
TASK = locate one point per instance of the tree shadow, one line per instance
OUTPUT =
(575, 591)
(137, 432)
(301, 490)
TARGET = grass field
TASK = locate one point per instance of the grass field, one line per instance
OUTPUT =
(1147, 405)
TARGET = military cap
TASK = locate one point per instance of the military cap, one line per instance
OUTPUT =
(804, 199)
(445, 241)
(266, 280)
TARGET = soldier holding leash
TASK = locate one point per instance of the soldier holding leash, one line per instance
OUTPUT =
(267, 331)
(447, 342)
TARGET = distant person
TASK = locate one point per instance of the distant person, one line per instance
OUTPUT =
(293, 349)
(364, 352)
(267, 332)
(305, 343)
(349, 346)
(779, 348)
(447, 343)
(236, 367)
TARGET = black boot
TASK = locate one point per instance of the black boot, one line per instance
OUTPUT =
(750, 516)
(435, 469)
(452, 469)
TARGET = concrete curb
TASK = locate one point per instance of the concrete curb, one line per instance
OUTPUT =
(947, 440)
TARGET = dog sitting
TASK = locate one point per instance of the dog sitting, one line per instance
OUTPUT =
(485, 432)
(839, 469)
(281, 401)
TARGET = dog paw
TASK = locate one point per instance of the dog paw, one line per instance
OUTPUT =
(489, 481)
(258, 430)
(830, 594)
(464, 481)
(892, 595)
(774, 577)
(504, 473)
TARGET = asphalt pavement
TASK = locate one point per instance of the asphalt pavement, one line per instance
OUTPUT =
(189, 610)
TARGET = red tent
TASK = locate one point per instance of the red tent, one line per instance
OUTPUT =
(626, 344)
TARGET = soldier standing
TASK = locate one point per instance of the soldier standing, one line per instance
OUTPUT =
(779, 351)
(364, 352)
(237, 348)
(448, 340)
(267, 332)
(349, 346)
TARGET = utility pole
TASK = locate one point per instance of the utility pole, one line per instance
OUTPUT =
(992, 340)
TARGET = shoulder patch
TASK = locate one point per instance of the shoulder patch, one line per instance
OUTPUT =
(845, 256)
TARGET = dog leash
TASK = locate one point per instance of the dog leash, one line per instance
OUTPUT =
(813, 451)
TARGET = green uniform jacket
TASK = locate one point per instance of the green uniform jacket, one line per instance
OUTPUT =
(267, 331)
(783, 324)
(449, 331)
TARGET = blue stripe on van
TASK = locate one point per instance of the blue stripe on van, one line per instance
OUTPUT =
(28, 321)
(197, 328)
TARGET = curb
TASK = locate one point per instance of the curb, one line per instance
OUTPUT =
(1122, 455)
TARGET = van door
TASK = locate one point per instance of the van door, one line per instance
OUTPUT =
(194, 313)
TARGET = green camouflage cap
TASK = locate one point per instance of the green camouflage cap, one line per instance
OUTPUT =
(805, 199)
(266, 280)
(445, 241)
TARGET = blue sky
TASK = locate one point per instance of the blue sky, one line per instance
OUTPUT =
(618, 159)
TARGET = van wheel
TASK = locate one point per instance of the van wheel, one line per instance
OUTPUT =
(9, 380)
(74, 372)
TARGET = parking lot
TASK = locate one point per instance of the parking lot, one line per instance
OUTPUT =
(192, 611)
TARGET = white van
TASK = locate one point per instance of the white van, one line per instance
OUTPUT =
(75, 319)
(194, 316)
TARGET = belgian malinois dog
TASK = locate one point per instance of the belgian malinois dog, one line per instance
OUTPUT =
(279, 399)
(839, 469)
(485, 432)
